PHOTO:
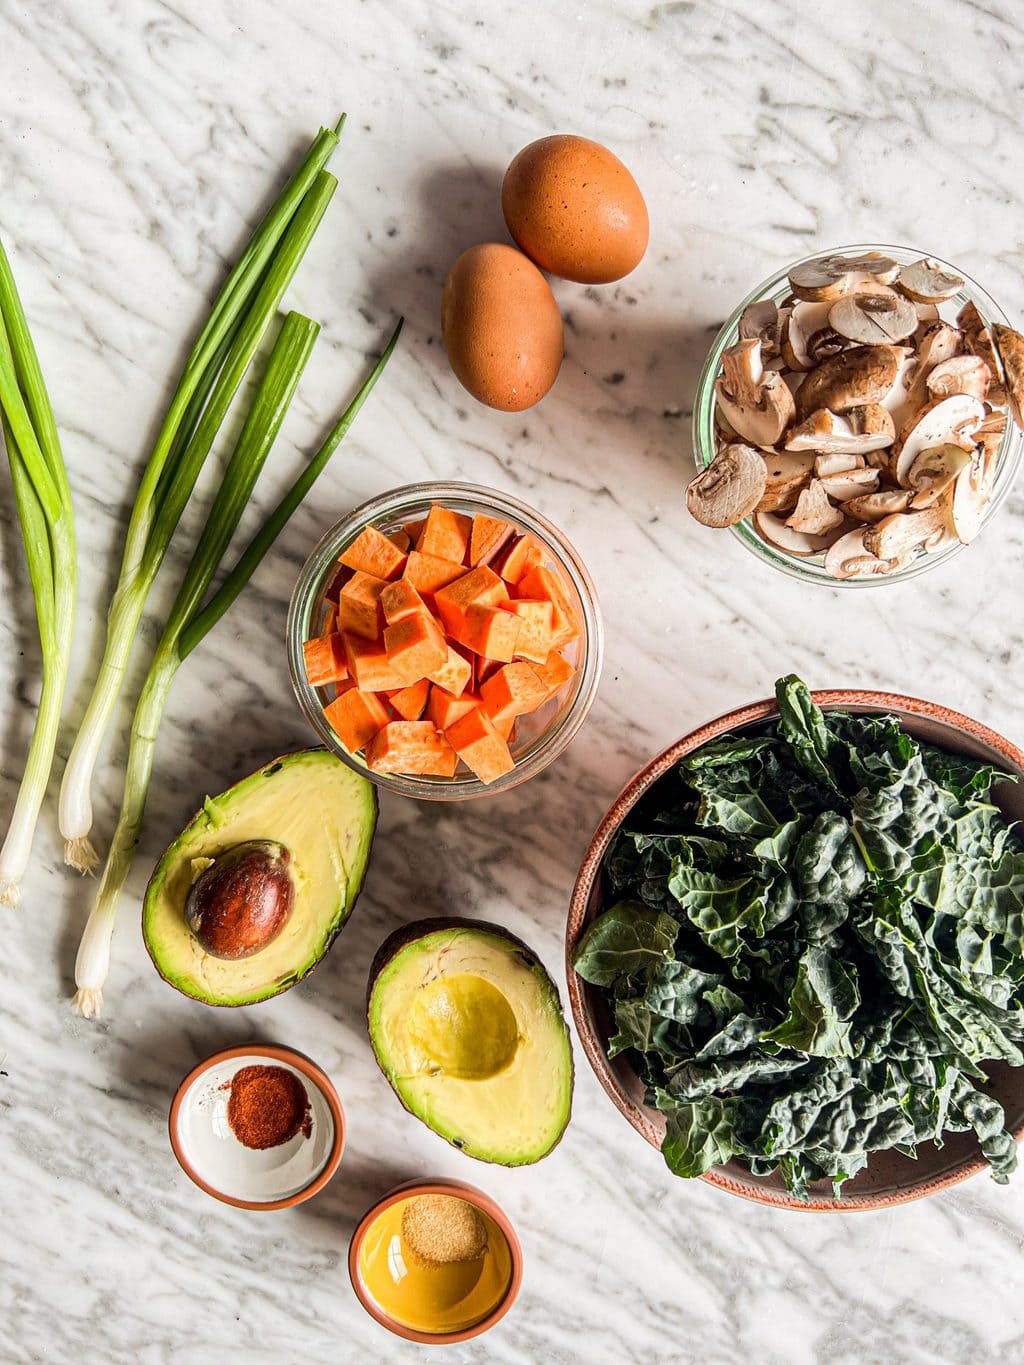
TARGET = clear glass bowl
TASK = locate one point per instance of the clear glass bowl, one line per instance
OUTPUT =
(812, 569)
(540, 737)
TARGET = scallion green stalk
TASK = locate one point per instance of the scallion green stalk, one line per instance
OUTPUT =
(186, 627)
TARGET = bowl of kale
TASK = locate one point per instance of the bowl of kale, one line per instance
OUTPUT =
(796, 950)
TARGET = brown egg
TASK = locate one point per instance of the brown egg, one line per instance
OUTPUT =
(501, 327)
(574, 209)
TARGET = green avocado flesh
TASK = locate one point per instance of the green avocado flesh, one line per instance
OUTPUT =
(467, 1027)
(325, 815)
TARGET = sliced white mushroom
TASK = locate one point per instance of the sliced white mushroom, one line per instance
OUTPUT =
(875, 316)
(933, 473)
(971, 494)
(959, 374)
(1011, 353)
(729, 488)
(877, 506)
(855, 432)
(989, 437)
(756, 402)
(854, 484)
(897, 400)
(939, 344)
(830, 277)
(863, 374)
(774, 530)
(928, 282)
(836, 463)
(803, 321)
(814, 515)
(785, 476)
(905, 534)
(978, 338)
(760, 322)
(944, 421)
(849, 557)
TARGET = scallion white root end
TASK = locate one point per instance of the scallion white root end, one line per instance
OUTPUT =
(80, 854)
(10, 892)
(89, 1004)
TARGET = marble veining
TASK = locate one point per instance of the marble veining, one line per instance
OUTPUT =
(139, 140)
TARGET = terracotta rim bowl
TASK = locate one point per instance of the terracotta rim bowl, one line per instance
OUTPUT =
(889, 1178)
(317, 1080)
(436, 1185)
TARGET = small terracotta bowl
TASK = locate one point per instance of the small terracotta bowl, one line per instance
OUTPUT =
(211, 1156)
(889, 1178)
(436, 1185)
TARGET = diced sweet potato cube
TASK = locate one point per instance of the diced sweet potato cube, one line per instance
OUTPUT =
(546, 584)
(506, 728)
(413, 528)
(479, 745)
(401, 539)
(554, 673)
(489, 632)
(416, 645)
(485, 668)
(444, 709)
(445, 534)
(519, 558)
(411, 746)
(370, 666)
(536, 624)
(325, 660)
(355, 717)
(513, 691)
(400, 599)
(455, 673)
(488, 537)
(330, 619)
(480, 587)
(411, 702)
(341, 577)
(358, 609)
(427, 573)
(372, 553)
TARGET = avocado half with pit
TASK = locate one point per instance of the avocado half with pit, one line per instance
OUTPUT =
(467, 1027)
(253, 892)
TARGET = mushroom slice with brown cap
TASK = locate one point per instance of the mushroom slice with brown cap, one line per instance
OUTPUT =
(933, 472)
(939, 344)
(906, 533)
(853, 484)
(785, 476)
(927, 282)
(878, 506)
(729, 488)
(836, 463)
(804, 321)
(971, 493)
(978, 338)
(775, 531)
(814, 515)
(756, 402)
(830, 277)
(849, 557)
(959, 374)
(1011, 353)
(761, 322)
(855, 432)
(875, 316)
(863, 374)
(944, 421)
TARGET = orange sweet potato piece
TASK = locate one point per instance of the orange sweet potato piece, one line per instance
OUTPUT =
(427, 573)
(412, 529)
(519, 558)
(355, 717)
(444, 709)
(479, 745)
(489, 632)
(506, 728)
(514, 690)
(554, 673)
(400, 599)
(370, 666)
(325, 660)
(544, 583)
(488, 537)
(445, 534)
(358, 610)
(415, 645)
(401, 538)
(480, 587)
(536, 626)
(454, 675)
(411, 702)
(341, 577)
(411, 746)
(373, 553)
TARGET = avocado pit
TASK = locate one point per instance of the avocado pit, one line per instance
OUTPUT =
(241, 901)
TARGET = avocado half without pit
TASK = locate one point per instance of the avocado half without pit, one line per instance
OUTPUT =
(467, 1027)
(253, 892)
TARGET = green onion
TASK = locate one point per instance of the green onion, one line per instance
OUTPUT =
(43, 499)
(213, 371)
(188, 624)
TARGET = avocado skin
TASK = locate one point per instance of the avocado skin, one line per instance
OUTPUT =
(267, 769)
(407, 934)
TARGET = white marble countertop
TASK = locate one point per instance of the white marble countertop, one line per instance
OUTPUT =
(138, 139)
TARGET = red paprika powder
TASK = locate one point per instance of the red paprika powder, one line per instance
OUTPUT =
(267, 1106)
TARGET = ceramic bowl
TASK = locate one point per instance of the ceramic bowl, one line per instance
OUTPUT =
(211, 1156)
(436, 1185)
(889, 1178)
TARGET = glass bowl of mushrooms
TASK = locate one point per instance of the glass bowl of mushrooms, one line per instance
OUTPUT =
(859, 418)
